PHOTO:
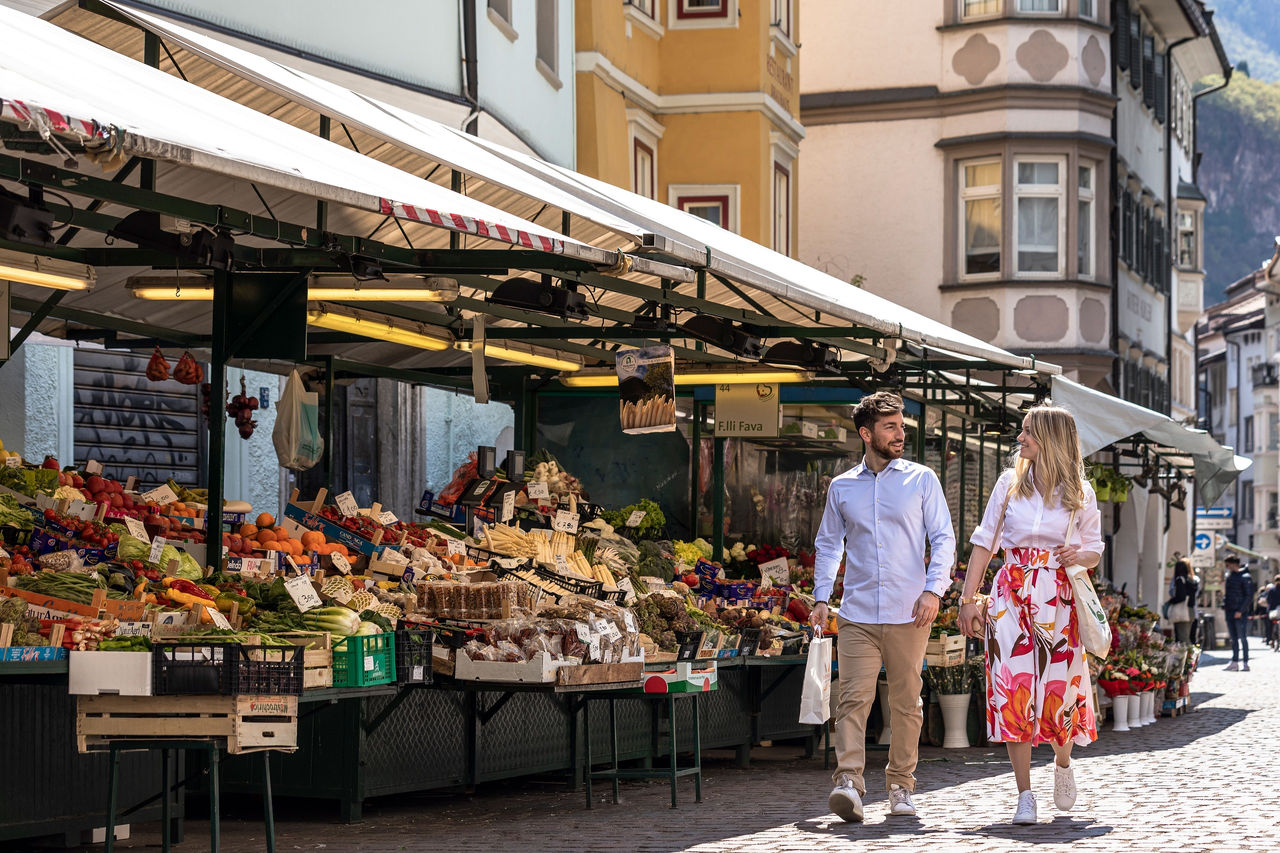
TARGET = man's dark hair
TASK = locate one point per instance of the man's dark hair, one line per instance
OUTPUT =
(873, 407)
(1232, 558)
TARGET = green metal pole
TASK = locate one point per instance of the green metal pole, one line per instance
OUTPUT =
(942, 451)
(695, 460)
(217, 406)
(151, 56)
(717, 500)
(328, 422)
(964, 468)
(322, 207)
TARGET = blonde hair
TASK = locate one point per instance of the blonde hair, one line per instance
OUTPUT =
(1058, 462)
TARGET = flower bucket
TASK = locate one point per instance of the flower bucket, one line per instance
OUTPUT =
(1103, 491)
(1120, 706)
(955, 715)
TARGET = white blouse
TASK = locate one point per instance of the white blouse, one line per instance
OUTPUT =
(1029, 523)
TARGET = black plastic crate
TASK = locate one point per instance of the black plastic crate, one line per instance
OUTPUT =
(193, 668)
(225, 669)
(413, 655)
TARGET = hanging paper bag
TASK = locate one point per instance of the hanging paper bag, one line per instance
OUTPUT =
(297, 432)
(815, 699)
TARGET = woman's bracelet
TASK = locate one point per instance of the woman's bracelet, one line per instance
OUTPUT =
(971, 600)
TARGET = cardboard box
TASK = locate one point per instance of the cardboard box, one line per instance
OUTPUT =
(541, 669)
(29, 654)
(684, 678)
(331, 531)
(38, 605)
(109, 673)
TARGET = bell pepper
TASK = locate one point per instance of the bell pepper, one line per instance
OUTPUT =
(185, 587)
(225, 601)
(189, 599)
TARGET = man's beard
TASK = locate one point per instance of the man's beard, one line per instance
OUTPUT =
(887, 450)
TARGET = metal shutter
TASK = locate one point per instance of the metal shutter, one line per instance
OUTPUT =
(1120, 33)
(133, 426)
(1135, 51)
(1162, 94)
(1149, 71)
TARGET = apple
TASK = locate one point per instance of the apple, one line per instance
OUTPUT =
(51, 464)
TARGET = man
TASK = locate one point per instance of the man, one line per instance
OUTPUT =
(877, 517)
(1237, 601)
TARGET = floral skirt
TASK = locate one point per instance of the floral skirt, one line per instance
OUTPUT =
(1038, 688)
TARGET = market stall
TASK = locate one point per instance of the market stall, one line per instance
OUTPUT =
(639, 538)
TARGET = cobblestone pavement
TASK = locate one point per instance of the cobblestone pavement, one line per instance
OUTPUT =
(1206, 781)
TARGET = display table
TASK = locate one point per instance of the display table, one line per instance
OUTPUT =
(655, 702)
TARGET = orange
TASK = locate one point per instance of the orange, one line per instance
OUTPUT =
(266, 520)
(271, 546)
(312, 540)
(248, 530)
(338, 548)
(294, 546)
(177, 508)
(266, 536)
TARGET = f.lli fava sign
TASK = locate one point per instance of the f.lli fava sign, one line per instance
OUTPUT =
(748, 410)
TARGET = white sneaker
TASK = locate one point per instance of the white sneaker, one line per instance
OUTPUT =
(900, 801)
(1232, 667)
(1026, 813)
(845, 802)
(1064, 786)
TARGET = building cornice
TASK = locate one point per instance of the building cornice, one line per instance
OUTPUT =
(594, 62)
(1025, 284)
(919, 102)
(1002, 136)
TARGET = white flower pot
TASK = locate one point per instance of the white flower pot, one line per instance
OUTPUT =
(955, 714)
(1120, 706)
(1138, 713)
(1148, 707)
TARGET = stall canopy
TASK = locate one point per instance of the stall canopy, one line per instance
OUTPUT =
(1103, 420)
(660, 229)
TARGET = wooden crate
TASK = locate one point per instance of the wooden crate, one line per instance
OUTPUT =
(624, 674)
(943, 645)
(245, 723)
(951, 658)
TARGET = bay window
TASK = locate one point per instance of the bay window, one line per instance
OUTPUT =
(1084, 221)
(980, 8)
(1039, 193)
(980, 204)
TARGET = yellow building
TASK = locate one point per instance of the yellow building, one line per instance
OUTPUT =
(694, 103)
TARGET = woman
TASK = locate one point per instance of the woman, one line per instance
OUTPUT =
(1038, 688)
(1273, 613)
(1182, 601)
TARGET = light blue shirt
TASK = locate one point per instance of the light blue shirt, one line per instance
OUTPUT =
(879, 524)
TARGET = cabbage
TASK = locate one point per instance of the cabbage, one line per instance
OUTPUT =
(131, 548)
(188, 567)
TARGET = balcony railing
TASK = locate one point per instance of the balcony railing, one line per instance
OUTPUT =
(1265, 374)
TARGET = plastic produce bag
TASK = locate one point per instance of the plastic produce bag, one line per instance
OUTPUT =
(297, 431)
(815, 700)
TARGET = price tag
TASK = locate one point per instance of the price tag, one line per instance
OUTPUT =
(93, 466)
(539, 490)
(302, 593)
(508, 507)
(368, 663)
(477, 528)
(388, 517)
(455, 546)
(809, 430)
(136, 529)
(341, 563)
(627, 617)
(635, 518)
(391, 555)
(219, 620)
(83, 511)
(346, 504)
(776, 571)
(584, 632)
(162, 495)
(13, 462)
(157, 545)
(562, 564)
(292, 565)
(565, 521)
(608, 629)
(626, 586)
(410, 576)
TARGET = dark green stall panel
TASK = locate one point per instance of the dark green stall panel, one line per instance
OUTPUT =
(780, 708)
(47, 788)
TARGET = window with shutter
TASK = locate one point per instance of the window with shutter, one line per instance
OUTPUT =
(1162, 94)
(1120, 34)
(1126, 229)
(1149, 71)
(1135, 51)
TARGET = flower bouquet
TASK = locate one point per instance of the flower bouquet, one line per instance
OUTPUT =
(949, 680)
(1115, 681)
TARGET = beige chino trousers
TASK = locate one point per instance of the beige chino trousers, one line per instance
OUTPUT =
(862, 651)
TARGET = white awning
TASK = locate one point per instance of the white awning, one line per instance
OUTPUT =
(645, 221)
(1102, 420)
(63, 85)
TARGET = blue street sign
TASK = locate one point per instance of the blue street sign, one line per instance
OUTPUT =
(1203, 541)
(1215, 512)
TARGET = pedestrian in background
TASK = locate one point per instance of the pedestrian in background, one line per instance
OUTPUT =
(1273, 613)
(1044, 514)
(1237, 601)
(878, 516)
(1182, 600)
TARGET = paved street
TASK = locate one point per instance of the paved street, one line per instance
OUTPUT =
(1202, 782)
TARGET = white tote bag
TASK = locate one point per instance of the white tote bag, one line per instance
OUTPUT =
(297, 432)
(1095, 630)
(815, 699)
